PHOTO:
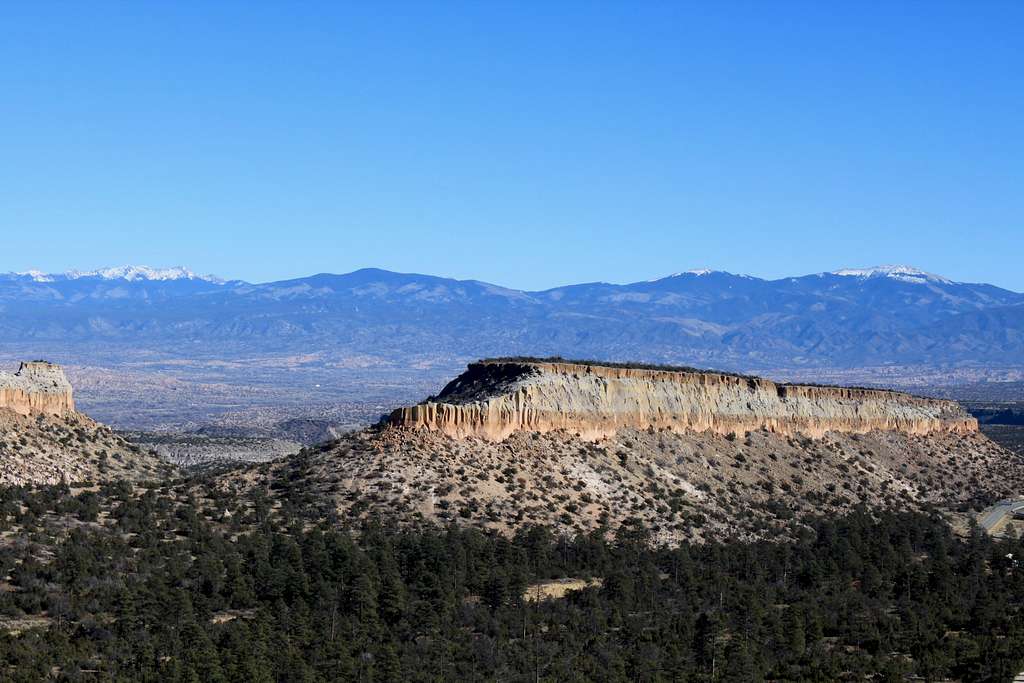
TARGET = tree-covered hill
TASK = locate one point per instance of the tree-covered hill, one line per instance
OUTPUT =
(178, 583)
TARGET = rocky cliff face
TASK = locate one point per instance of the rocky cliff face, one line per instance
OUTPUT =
(37, 388)
(43, 440)
(494, 399)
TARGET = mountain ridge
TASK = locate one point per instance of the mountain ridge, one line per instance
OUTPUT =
(133, 273)
(887, 315)
(128, 273)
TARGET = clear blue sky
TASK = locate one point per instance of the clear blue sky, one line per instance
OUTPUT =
(525, 143)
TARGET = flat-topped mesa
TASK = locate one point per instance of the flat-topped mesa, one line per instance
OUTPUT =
(37, 388)
(493, 399)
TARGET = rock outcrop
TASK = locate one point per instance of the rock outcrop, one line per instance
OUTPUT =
(37, 388)
(44, 440)
(581, 447)
(494, 399)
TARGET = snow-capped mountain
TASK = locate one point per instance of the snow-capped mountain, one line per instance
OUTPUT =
(895, 272)
(853, 317)
(698, 272)
(129, 273)
(34, 275)
(97, 291)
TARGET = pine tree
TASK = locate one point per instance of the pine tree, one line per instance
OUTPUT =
(796, 638)
(199, 655)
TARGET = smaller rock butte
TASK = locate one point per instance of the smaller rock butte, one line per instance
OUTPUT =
(37, 388)
(493, 399)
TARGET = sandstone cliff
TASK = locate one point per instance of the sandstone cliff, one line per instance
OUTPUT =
(43, 440)
(581, 447)
(37, 388)
(494, 399)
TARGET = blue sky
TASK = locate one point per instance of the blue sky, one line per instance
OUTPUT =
(530, 144)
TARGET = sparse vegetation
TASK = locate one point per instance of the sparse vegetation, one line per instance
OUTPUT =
(558, 480)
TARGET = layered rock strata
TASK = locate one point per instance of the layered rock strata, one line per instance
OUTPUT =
(37, 388)
(494, 399)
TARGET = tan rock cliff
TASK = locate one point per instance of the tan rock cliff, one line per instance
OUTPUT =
(493, 399)
(37, 388)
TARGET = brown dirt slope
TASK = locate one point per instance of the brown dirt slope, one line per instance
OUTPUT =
(47, 449)
(678, 485)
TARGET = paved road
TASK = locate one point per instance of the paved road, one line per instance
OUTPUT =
(993, 517)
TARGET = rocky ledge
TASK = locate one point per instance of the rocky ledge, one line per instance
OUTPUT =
(37, 388)
(495, 398)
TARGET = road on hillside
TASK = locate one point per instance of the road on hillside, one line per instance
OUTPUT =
(995, 515)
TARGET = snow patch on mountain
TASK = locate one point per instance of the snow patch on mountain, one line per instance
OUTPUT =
(135, 274)
(36, 276)
(894, 272)
(701, 272)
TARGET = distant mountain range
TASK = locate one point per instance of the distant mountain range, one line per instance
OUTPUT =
(844, 319)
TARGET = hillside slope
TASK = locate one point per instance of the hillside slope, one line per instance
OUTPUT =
(678, 485)
(71, 448)
(43, 440)
(731, 472)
